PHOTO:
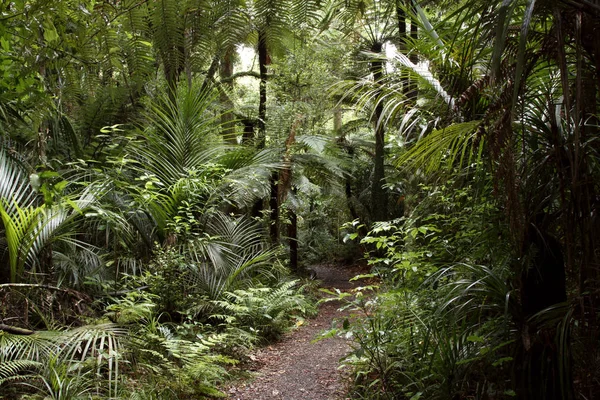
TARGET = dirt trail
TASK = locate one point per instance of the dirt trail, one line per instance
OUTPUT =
(295, 368)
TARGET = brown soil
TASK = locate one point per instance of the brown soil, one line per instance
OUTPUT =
(296, 368)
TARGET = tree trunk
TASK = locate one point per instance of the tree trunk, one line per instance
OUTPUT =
(401, 15)
(293, 236)
(543, 284)
(414, 58)
(227, 118)
(285, 185)
(378, 195)
(337, 121)
(274, 205)
(248, 135)
(15, 330)
(210, 73)
(263, 61)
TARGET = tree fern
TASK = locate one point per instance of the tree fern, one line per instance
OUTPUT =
(168, 25)
(232, 23)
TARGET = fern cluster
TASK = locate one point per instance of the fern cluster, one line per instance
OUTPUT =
(266, 311)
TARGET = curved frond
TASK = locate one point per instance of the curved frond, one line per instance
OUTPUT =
(15, 187)
(180, 137)
(232, 258)
(456, 145)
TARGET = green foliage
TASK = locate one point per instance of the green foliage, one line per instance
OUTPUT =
(426, 344)
(447, 226)
(444, 327)
(178, 367)
(178, 361)
(457, 146)
(57, 383)
(266, 311)
(179, 134)
(62, 364)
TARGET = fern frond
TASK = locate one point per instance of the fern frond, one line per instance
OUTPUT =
(232, 24)
(168, 35)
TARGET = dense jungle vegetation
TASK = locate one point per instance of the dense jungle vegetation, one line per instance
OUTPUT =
(170, 168)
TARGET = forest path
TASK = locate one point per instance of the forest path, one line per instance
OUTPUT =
(295, 368)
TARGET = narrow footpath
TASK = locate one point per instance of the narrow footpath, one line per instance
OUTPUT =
(297, 369)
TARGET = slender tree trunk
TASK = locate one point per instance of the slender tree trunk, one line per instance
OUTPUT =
(337, 121)
(343, 144)
(293, 236)
(401, 15)
(378, 195)
(285, 185)
(227, 118)
(263, 61)
(274, 205)
(409, 89)
(42, 143)
(248, 135)
(414, 58)
(584, 191)
(210, 73)
(43, 130)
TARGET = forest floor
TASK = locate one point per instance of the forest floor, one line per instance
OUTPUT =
(296, 367)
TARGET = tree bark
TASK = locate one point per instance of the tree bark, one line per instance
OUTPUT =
(337, 121)
(414, 58)
(227, 117)
(263, 61)
(378, 195)
(293, 237)
(401, 15)
(274, 205)
(210, 74)
(15, 330)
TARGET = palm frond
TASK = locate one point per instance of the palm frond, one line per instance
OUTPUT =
(456, 145)
(20, 233)
(235, 255)
(15, 187)
(36, 347)
(18, 370)
(180, 137)
(248, 179)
